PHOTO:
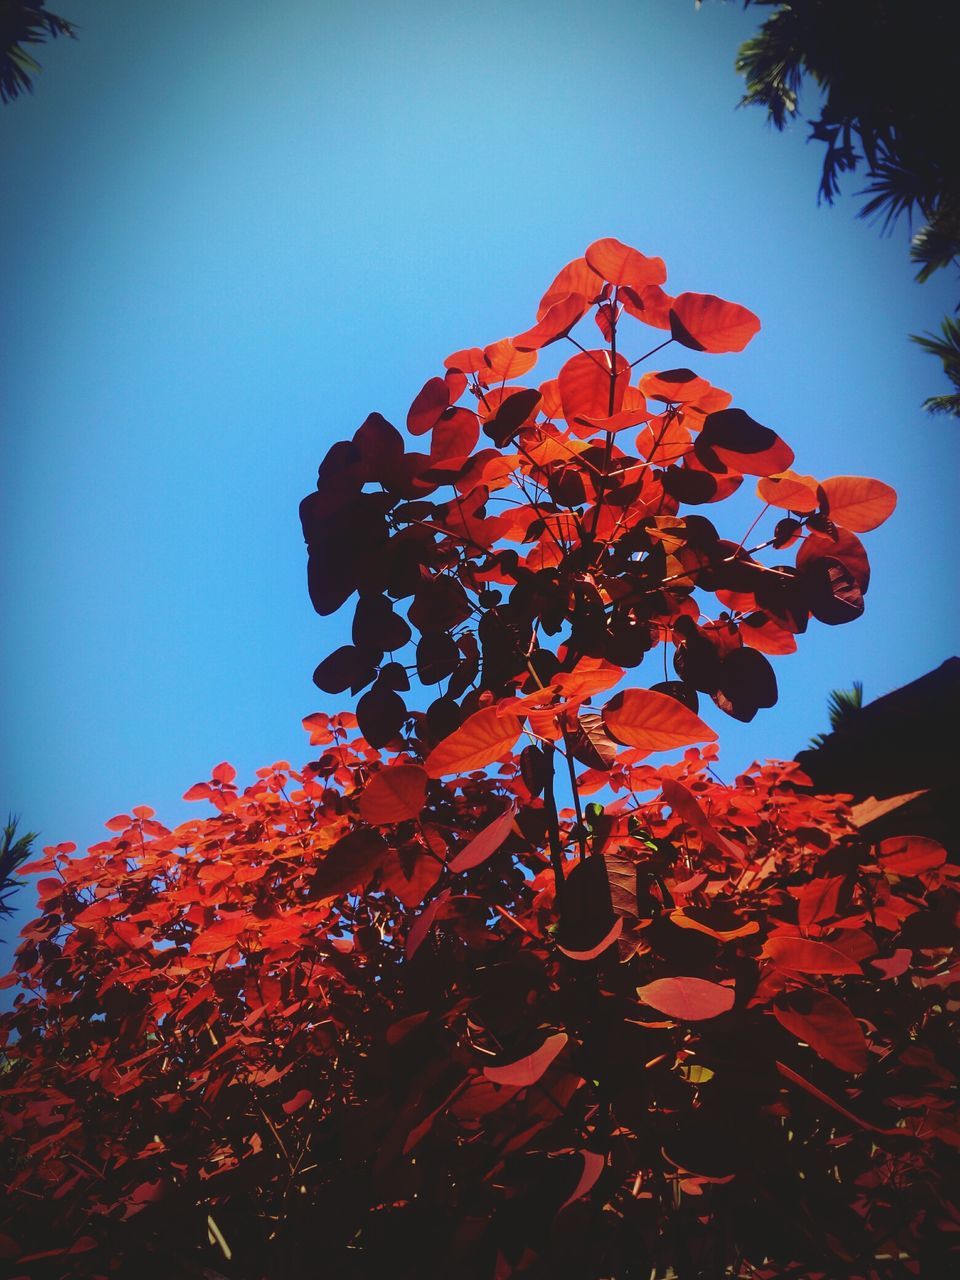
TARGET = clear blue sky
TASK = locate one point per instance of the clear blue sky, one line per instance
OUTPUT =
(228, 231)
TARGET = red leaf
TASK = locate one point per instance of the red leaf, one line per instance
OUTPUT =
(487, 842)
(298, 1100)
(430, 402)
(687, 808)
(789, 491)
(692, 999)
(704, 322)
(502, 361)
(350, 862)
(123, 820)
(893, 966)
(421, 926)
(585, 385)
(620, 264)
(469, 360)
(827, 1026)
(802, 955)
(224, 773)
(733, 439)
(601, 946)
(858, 503)
(394, 794)
(557, 321)
(910, 855)
(653, 721)
(482, 738)
(593, 1165)
(576, 277)
(527, 1071)
(199, 791)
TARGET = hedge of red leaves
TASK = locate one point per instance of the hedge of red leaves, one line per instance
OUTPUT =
(480, 992)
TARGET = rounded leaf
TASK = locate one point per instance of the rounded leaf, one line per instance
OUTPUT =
(704, 322)
(620, 264)
(394, 794)
(858, 503)
(692, 999)
(653, 721)
(482, 738)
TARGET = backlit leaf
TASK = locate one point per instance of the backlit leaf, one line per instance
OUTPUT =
(394, 794)
(620, 264)
(857, 503)
(482, 738)
(704, 322)
(557, 321)
(653, 721)
(485, 843)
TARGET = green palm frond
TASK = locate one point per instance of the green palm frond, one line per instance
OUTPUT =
(24, 23)
(842, 706)
(14, 851)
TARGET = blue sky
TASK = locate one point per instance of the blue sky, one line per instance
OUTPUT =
(228, 232)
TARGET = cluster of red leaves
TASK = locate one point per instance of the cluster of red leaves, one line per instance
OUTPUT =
(345, 1015)
(563, 536)
(397, 1014)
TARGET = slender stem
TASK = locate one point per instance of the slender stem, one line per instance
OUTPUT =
(652, 352)
(553, 820)
(581, 836)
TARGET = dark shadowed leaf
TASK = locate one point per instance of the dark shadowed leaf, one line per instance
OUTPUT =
(350, 863)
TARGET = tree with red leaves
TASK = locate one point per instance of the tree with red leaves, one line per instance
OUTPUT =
(482, 991)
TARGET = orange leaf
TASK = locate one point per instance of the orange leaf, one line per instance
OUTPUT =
(692, 999)
(589, 676)
(789, 491)
(674, 386)
(502, 360)
(576, 277)
(687, 808)
(704, 322)
(394, 794)
(858, 503)
(469, 360)
(653, 721)
(557, 321)
(620, 264)
(684, 921)
(528, 1070)
(482, 738)
(585, 385)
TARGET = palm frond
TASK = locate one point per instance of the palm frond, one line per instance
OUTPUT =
(842, 707)
(14, 851)
(24, 23)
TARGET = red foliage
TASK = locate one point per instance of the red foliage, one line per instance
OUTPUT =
(397, 1014)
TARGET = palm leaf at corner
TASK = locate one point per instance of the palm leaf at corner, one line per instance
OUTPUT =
(842, 706)
(14, 851)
